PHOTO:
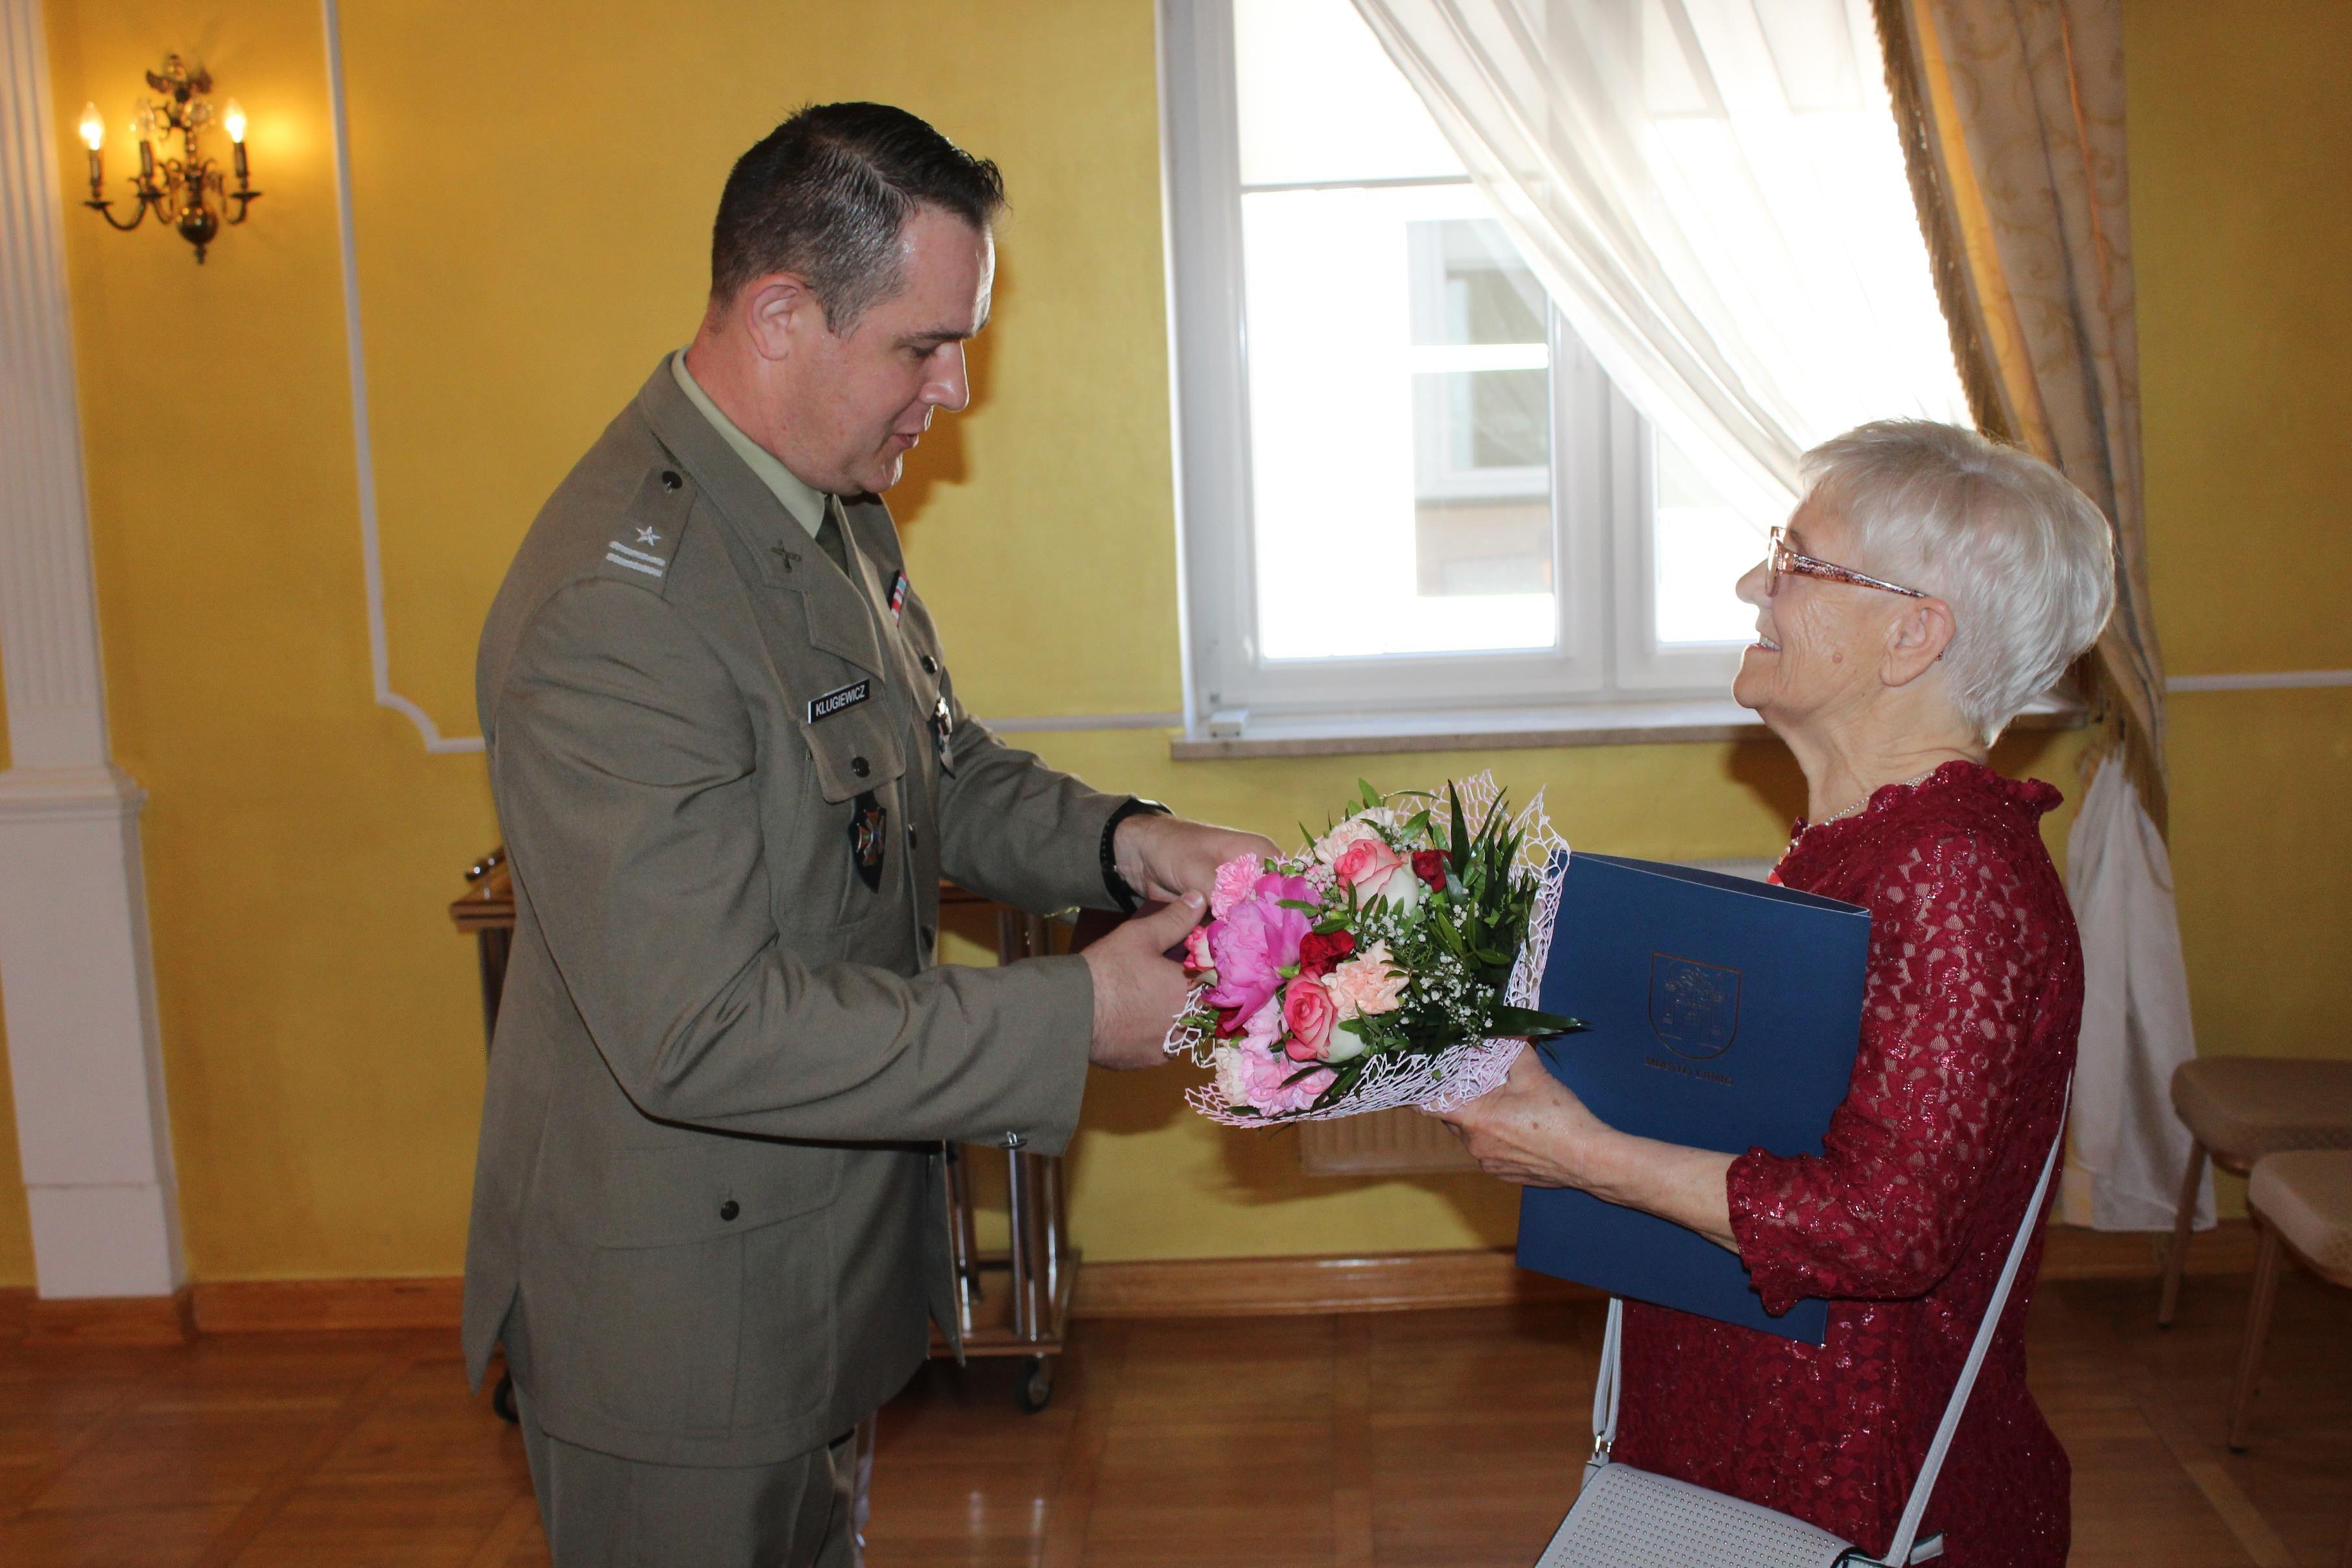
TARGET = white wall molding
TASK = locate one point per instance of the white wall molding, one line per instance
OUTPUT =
(76, 973)
(363, 441)
(2262, 680)
(363, 463)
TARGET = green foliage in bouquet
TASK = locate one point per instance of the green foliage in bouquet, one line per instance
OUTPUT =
(1456, 943)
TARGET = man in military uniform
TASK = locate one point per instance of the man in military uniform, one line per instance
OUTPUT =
(709, 1211)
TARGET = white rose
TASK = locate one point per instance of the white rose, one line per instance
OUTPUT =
(1230, 1083)
(1343, 1044)
(1403, 891)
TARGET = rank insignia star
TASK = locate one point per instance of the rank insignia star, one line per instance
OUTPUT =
(647, 536)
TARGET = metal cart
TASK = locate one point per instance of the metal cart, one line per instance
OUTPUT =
(1015, 1303)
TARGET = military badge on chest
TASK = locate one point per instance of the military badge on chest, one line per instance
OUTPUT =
(943, 735)
(868, 826)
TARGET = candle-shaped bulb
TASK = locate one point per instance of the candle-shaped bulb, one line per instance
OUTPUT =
(144, 126)
(93, 129)
(233, 120)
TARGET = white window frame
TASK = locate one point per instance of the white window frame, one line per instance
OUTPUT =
(1605, 656)
(1435, 479)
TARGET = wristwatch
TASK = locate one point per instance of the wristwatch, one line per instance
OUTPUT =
(1133, 806)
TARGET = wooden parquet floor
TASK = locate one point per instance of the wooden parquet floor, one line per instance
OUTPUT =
(1438, 1437)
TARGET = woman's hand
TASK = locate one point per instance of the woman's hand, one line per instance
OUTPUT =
(1532, 1130)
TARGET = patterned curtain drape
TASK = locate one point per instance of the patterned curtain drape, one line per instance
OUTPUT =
(2011, 114)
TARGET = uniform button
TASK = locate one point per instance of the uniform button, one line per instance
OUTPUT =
(670, 481)
(930, 666)
(730, 1209)
(859, 766)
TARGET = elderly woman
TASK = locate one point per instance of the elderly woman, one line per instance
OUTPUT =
(1928, 585)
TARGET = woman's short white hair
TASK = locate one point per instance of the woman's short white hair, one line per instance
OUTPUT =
(2023, 557)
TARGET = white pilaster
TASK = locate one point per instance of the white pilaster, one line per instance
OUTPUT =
(75, 970)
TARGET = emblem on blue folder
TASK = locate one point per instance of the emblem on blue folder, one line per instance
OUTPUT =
(1694, 1006)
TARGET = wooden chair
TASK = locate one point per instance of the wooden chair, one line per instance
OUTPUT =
(2302, 1202)
(2239, 1108)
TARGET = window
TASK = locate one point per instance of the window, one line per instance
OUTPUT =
(1408, 489)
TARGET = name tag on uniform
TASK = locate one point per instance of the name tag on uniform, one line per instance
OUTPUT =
(898, 594)
(834, 701)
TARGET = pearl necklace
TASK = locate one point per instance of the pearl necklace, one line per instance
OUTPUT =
(1915, 778)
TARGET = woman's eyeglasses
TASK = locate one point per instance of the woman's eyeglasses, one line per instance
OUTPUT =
(1781, 559)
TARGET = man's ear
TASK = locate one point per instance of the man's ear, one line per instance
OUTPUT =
(776, 311)
(1916, 639)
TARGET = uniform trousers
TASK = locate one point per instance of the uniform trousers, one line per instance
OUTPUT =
(604, 1512)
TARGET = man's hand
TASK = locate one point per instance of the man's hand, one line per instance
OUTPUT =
(1163, 858)
(1139, 989)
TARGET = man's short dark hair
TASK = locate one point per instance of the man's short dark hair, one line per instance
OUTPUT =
(825, 193)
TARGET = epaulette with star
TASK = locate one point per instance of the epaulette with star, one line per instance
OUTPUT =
(643, 546)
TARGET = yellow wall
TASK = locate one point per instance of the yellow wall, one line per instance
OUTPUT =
(320, 1040)
(2240, 134)
(533, 202)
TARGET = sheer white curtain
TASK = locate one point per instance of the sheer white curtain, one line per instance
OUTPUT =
(2130, 1147)
(1713, 193)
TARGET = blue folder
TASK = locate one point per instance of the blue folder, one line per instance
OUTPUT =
(1725, 1014)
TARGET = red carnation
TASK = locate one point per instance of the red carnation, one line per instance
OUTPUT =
(1318, 952)
(1430, 866)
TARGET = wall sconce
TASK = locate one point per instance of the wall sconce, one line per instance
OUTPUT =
(176, 187)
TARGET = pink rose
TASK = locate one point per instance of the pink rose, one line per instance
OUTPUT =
(1335, 843)
(1264, 1080)
(1307, 1014)
(1197, 961)
(1256, 940)
(1367, 983)
(1234, 880)
(1365, 864)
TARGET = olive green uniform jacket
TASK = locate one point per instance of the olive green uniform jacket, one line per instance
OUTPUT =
(709, 1207)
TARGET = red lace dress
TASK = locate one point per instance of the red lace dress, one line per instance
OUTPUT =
(1970, 1013)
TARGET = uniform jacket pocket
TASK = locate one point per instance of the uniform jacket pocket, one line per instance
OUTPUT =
(670, 1198)
(707, 1306)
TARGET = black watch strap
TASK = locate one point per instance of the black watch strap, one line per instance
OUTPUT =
(1115, 884)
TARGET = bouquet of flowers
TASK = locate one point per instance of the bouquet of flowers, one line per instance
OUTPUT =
(1392, 961)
